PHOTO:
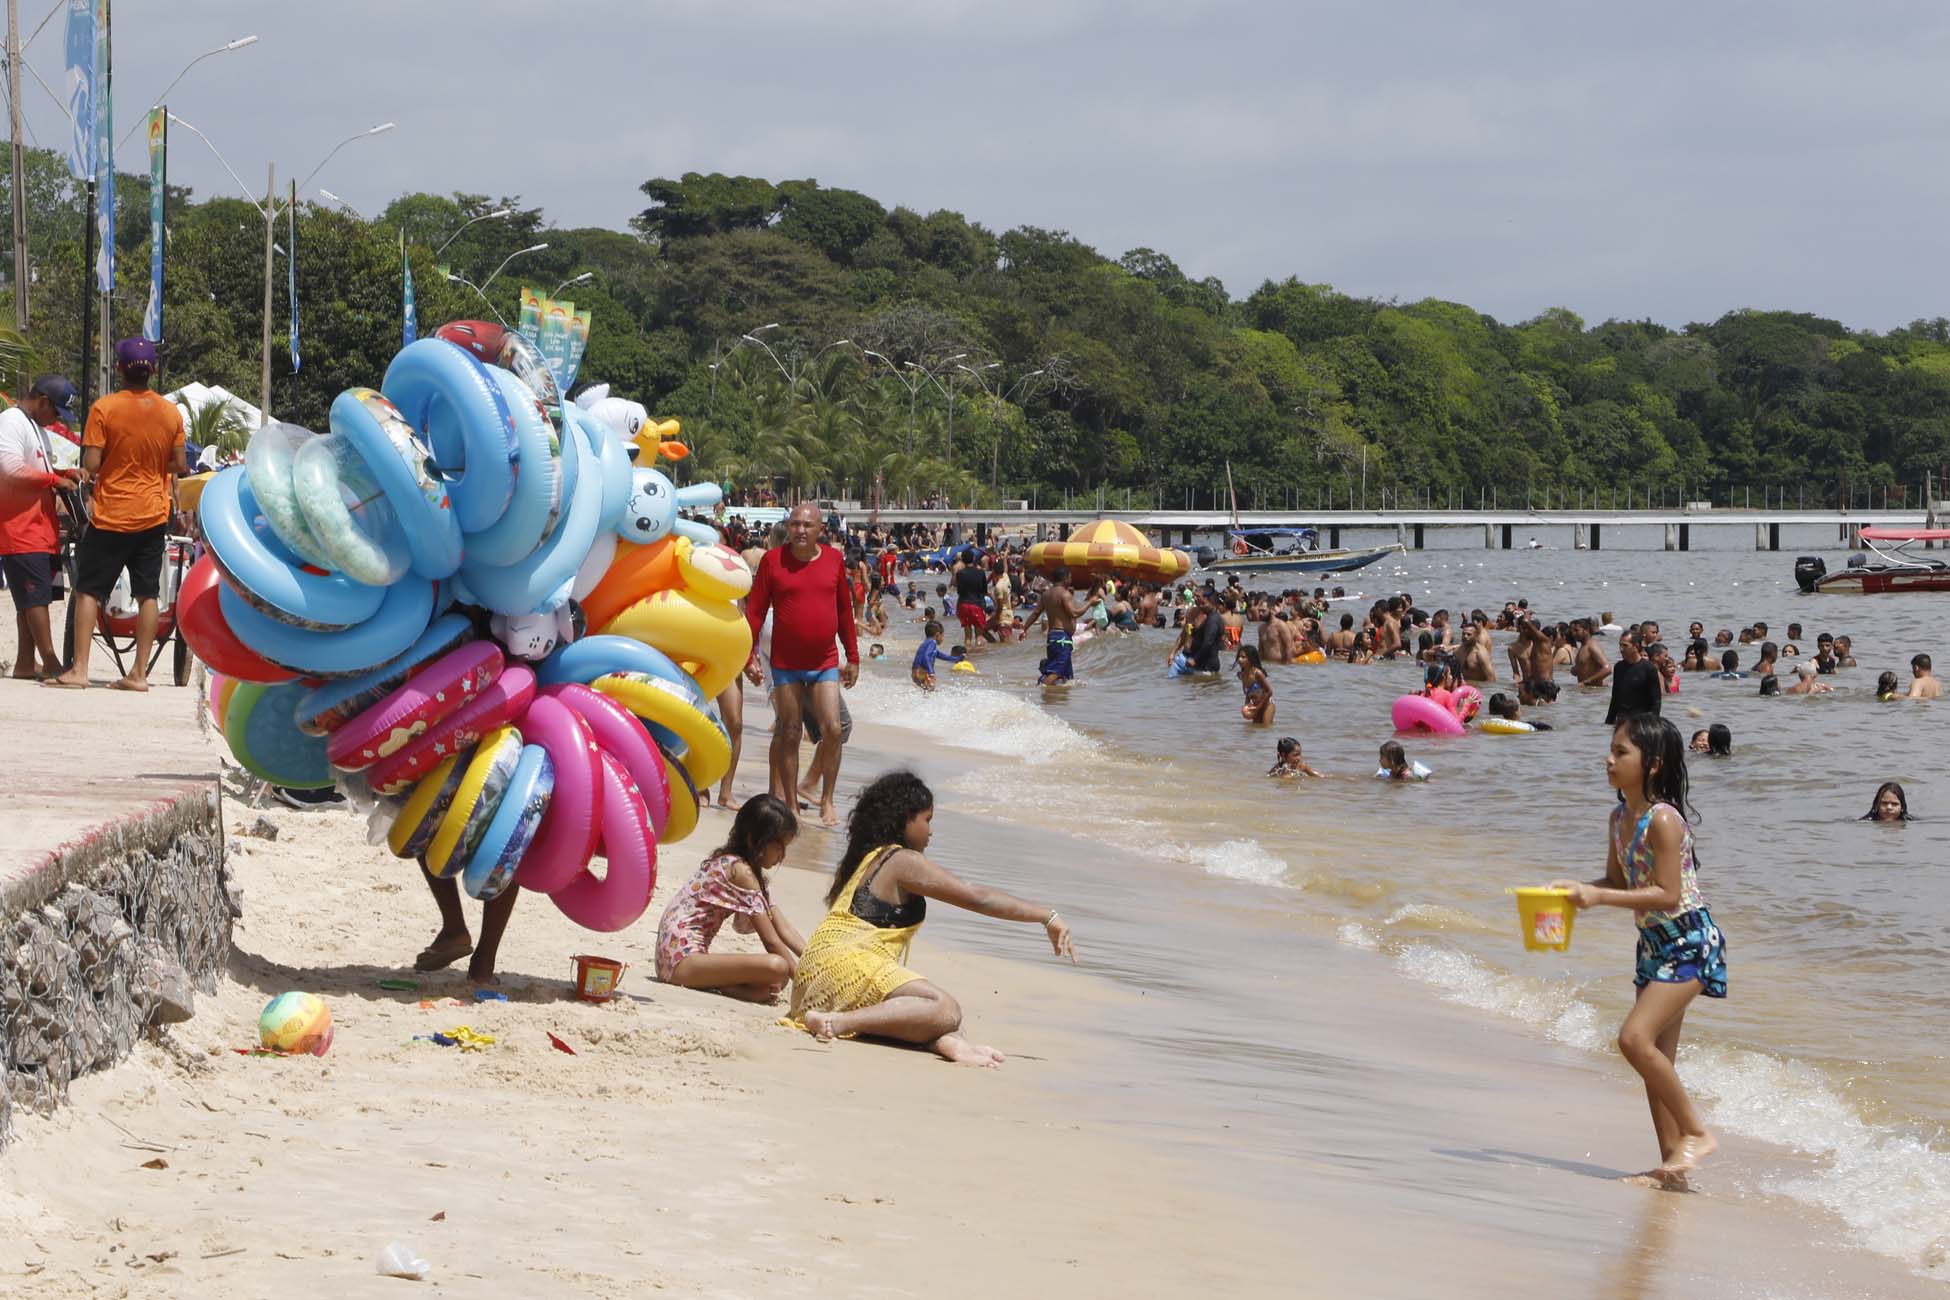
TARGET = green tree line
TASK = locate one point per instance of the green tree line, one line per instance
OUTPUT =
(816, 341)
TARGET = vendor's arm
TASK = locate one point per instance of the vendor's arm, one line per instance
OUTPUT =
(917, 874)
(16, 466)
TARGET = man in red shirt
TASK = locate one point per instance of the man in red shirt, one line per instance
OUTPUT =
(28, 537)
(804, 586)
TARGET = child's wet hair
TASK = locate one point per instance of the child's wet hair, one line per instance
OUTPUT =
(1393, 755)
(1288, 745)
(1662, 759)
(762, 820)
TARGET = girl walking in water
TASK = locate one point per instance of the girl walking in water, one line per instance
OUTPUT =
(1649, 867)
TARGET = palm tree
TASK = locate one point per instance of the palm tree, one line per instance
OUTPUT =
(215, 424)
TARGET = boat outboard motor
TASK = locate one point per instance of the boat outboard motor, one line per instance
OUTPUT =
(1205, 555)
(1809, 570)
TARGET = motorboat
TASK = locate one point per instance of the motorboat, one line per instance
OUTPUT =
(1893, 567)
(1288, 550)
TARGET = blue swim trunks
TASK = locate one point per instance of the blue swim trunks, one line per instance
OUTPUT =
(1057, 650)
(803, 676)
(1685, 948)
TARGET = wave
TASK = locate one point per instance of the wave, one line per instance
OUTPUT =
(1891, 1188)
(973, 717)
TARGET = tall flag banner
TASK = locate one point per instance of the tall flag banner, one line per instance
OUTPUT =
(528, 323)
(81, 89)
(578, 344)
(152, 319)
(409, 327)
(291, 260)
(553, 343)
(558, 331)
(104, 105)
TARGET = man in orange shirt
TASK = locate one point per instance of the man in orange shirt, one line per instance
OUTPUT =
(132, 447)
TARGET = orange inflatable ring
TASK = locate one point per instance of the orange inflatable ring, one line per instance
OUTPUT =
(1239, 546)
(633, 574)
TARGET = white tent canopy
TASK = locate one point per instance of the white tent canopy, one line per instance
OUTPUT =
(197, 396)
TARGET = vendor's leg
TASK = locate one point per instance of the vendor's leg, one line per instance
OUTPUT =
(86, 611)
(453, 942)
(26, 659)
(748, 976)
(41, 628)
(731, 707)
(494, 922)
(916, 1012)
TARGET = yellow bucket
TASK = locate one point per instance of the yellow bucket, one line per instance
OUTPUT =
(1547, 917)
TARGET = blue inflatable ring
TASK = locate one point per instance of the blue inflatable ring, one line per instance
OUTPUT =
(325, 709)
(491, 869)
(584, 661)
(452, 398)
(403, 469)
(528, 583)
(263, 736)
(403, 615)
(538, 481)
(276, 582)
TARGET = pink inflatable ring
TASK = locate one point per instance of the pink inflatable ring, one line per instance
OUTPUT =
(502, 702)
(623, 893)
(1420, 713)
(437, 690)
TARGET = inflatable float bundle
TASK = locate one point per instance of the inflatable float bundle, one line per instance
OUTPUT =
(322, 603)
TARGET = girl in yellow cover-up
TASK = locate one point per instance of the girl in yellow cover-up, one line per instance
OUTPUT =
(851, 978)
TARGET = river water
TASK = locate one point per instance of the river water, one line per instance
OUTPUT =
(1834, 1038)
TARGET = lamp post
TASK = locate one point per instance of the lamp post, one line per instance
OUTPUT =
(799, 365)
(998, 395)
(485, 216)
(269, 211)
(460, 279)
(572, 280)
(913, 388)
(932, 378)
(163, 98)
(330, 197)
(532, 248)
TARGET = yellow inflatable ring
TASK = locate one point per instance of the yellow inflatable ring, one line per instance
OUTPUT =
(683, 802)
(475, 802)
(713, 572)
(710, 638)
(1504, 727)
(1312, 657)
(413, 828)
(707, 746)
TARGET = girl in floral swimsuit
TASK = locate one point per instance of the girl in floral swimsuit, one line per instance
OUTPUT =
(1649, 868)
(730, 885)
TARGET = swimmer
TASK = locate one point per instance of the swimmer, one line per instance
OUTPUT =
(1396, 767)
(1770, 684)
(1889, 805)
(1805, 681)
(876, 651)
(1287, 761)
(1502, 706)
(1886, 688)
(1922, 686)
(1729, 667)
(1715, 741)
(1258, 708)
(1844, 652)
(1650, 869)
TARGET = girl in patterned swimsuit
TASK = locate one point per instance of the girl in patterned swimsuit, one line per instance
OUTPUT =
(730, 885)
(1649, 868)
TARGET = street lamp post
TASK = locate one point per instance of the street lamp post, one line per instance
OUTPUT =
(998, 395)
(485, 216)
(269, 211)
(163, 98)
(931, 374)
(913, 391)
(572, 280)
(532, 248)
(330, 197)
(461, 279)
(799, 364)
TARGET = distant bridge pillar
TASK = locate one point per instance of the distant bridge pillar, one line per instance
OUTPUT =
(1188, 537)
(1489, 537)
(1506, 537)
(1685, 537)
(1672, 537)
(1595, 529)
(1773, 537)
(1334, 537)
(1401, 535)
(1063, 532)
(1418, 537)
(1855, 537)
(1577, 537)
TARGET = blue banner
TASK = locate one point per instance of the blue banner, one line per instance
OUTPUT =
(409, 327)
(152, 319)
(81, 89)
(104, 157)
(291, 259)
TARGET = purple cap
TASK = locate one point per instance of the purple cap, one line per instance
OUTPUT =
(136, 352)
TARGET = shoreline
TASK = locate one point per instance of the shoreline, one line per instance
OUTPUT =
(692, 1145)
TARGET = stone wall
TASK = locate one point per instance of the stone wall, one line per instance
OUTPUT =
(106, 939)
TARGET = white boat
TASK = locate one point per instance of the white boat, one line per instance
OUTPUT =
(1289, 550)
(1893, 570)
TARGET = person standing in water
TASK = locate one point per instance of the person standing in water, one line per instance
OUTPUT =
(1055, 609)
(1635, 683)
(1650, 868)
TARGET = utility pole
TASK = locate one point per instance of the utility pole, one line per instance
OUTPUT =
(105, 104)
(20, 177)
(270, 228)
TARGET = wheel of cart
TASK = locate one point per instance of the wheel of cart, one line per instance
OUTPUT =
(115, 624)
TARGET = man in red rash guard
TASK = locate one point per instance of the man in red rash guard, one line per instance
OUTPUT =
(804, 586)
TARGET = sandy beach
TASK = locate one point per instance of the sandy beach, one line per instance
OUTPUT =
(693, 1147)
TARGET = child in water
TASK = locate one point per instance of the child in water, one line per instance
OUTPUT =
(1886, 688)
(1258, 708)
(730, 884)
(922, 670)
(1502, 706)
(1287, 762)
(1650, 868)
(1396, 767)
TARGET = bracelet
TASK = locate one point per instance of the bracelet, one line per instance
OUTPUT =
(1049, 920)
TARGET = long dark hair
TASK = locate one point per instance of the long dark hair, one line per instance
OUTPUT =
(762, 819)
(1660, 746)
(1889, 787)
(880, 816)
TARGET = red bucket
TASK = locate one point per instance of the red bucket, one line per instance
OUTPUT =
(597, 978)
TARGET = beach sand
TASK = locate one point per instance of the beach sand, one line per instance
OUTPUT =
(693, 1147)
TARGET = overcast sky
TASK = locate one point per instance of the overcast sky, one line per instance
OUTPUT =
(1645, 159)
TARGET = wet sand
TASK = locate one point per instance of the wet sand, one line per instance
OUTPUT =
(1149, 1135)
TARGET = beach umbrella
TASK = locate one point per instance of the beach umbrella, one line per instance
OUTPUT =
(1110, 548)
